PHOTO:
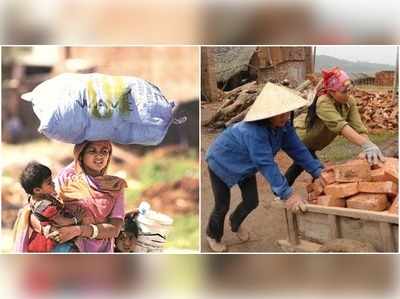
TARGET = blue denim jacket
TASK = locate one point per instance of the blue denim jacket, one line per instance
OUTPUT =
(247, 147)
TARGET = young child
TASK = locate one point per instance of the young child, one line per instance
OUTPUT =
(126, 240)
(36, 179)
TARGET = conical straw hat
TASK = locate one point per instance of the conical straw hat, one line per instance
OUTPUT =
(274, 100)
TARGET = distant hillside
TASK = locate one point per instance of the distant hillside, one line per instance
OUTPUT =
(325, 61)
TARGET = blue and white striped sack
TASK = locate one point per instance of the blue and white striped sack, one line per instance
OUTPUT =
(73, 108)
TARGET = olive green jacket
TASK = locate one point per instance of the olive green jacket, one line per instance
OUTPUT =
(331, 118)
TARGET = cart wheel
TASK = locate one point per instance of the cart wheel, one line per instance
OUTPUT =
(346, 245)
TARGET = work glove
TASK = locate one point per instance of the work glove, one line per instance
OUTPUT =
(372, 153)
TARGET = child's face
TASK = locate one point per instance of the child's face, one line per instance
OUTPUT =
(126, 242)
(47, 187)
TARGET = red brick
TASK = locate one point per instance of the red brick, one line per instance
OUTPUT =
(368, 201)
(317, 187)
(394, 208)
(329, 201)
(390, 163)
(312, 197)
(328, 177)
(389, 188)
(353, 171)
(378, 175)
(392, 175)
(309, 188)
(381, 175)
(314, 189)
(341, 190)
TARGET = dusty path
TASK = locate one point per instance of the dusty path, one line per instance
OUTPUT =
(266, 224)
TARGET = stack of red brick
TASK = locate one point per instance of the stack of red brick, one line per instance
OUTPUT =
(377, 109)
(355, 184)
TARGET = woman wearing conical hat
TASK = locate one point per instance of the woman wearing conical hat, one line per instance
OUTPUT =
(333, 113)
(248, 147)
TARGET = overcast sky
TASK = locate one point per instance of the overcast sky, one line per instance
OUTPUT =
(375, 54)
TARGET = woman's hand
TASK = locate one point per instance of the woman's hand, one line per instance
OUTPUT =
(64, 234)
(296, 203)
(319, 181)
(372, 153)
(80, 213)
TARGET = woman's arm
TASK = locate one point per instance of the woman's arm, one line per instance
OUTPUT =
(355, 131)
(105, 231)
(332, 119)
(351, 135)
(300, 154)
(354, 118)
(370, 150)
(57, 220)
(260, 152)
(60, 220)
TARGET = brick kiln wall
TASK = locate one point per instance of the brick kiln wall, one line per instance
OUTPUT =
(385, 78)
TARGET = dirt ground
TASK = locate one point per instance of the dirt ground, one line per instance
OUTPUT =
(266, 223)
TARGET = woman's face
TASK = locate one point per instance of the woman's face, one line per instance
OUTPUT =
(126, 242)
(95, 156)
(280, 120)
(342, 96)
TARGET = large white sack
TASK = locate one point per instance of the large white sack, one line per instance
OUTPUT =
(76, 107)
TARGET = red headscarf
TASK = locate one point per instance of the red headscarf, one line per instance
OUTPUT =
(333, 80)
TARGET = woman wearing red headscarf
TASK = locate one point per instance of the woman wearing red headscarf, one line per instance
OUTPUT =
(334, 112)
(84, 187)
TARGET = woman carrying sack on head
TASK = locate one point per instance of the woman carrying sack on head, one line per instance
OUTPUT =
(250, 146)
(333, 113)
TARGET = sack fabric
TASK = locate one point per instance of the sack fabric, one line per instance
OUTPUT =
(73, 108)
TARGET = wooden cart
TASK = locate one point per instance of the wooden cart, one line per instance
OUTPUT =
(309, 230)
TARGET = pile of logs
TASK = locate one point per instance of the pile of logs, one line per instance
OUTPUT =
(236, 103)
(377, 109)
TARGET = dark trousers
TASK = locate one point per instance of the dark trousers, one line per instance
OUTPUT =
(222, 196)
(295, 170)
